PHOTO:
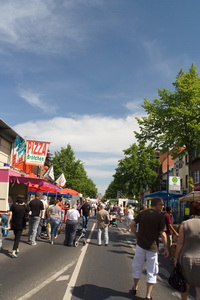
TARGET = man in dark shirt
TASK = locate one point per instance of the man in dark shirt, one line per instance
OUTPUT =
(85, 213)
(151, 226)
(36, 209)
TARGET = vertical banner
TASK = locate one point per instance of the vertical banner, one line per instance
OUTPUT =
(18, 152)
(36, 152)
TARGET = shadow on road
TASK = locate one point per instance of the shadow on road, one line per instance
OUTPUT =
(5, 252)
(90, 292)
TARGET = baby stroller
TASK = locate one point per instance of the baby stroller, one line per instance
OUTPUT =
(79, 236)
(113, 220)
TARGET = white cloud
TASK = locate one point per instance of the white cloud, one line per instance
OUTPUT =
(36, 101)
(134, 105)
(98, 139)
(85, 133)
(109, 161)
(96, 173)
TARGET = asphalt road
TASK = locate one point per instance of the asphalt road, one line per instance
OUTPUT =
(87, 272)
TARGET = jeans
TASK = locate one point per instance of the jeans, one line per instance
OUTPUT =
(105, 235)
(4, 219)
(85, 222)
(33, 226)
(55, 224)
(70, 232)
(39, 230)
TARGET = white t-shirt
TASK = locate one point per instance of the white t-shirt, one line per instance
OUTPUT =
(73, 214)
(130, 214)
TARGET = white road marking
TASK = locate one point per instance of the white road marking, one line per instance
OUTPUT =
(72, 282)
(62, 278)
(44, 283)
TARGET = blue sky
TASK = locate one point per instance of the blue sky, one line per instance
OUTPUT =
(77, 71)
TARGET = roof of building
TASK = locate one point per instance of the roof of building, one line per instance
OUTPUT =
(7, 132)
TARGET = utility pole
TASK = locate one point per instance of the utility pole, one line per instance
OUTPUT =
(168, 178)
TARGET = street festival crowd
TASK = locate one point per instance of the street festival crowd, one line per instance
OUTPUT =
(149, 226)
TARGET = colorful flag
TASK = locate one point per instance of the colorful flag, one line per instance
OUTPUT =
(49, 174)
(61, 180)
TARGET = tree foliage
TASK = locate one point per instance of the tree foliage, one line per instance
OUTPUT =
(64, 161)
(173, 120)
(135, 173)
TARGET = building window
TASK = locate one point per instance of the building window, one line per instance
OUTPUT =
(196, 177)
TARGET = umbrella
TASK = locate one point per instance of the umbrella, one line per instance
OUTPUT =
(37, 188)
(193, 196)
(68, 192)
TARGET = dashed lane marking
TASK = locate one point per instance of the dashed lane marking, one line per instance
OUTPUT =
(72, 282)
(62, 278)
(44, 283)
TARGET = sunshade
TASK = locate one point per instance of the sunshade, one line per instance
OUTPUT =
(68, 192)
(193, 196)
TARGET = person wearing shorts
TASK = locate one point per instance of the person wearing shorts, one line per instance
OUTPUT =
(151, 227)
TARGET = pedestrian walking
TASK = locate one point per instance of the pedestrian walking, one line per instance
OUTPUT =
(188, 250)
(54, 218)
(151, 227)
(103, 221)
(120, 212)
(16, 222)
(36, 208)
(170, 231)
(71, 225)
(130, 216)
(85, 212)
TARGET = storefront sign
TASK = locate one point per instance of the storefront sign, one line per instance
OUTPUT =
(174, 183)
(36, 152)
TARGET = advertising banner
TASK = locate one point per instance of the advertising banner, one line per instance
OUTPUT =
(36, 152)
(174, 183)
(19, 151)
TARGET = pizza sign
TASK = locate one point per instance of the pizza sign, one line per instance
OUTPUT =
(36, 152)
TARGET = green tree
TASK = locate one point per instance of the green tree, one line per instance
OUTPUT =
(64, 161)
(173, 120)
(135, 173)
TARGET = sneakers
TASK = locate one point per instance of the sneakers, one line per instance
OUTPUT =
(33, 243)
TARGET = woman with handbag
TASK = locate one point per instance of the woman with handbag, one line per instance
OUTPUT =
(188, 250)
(17, 214)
